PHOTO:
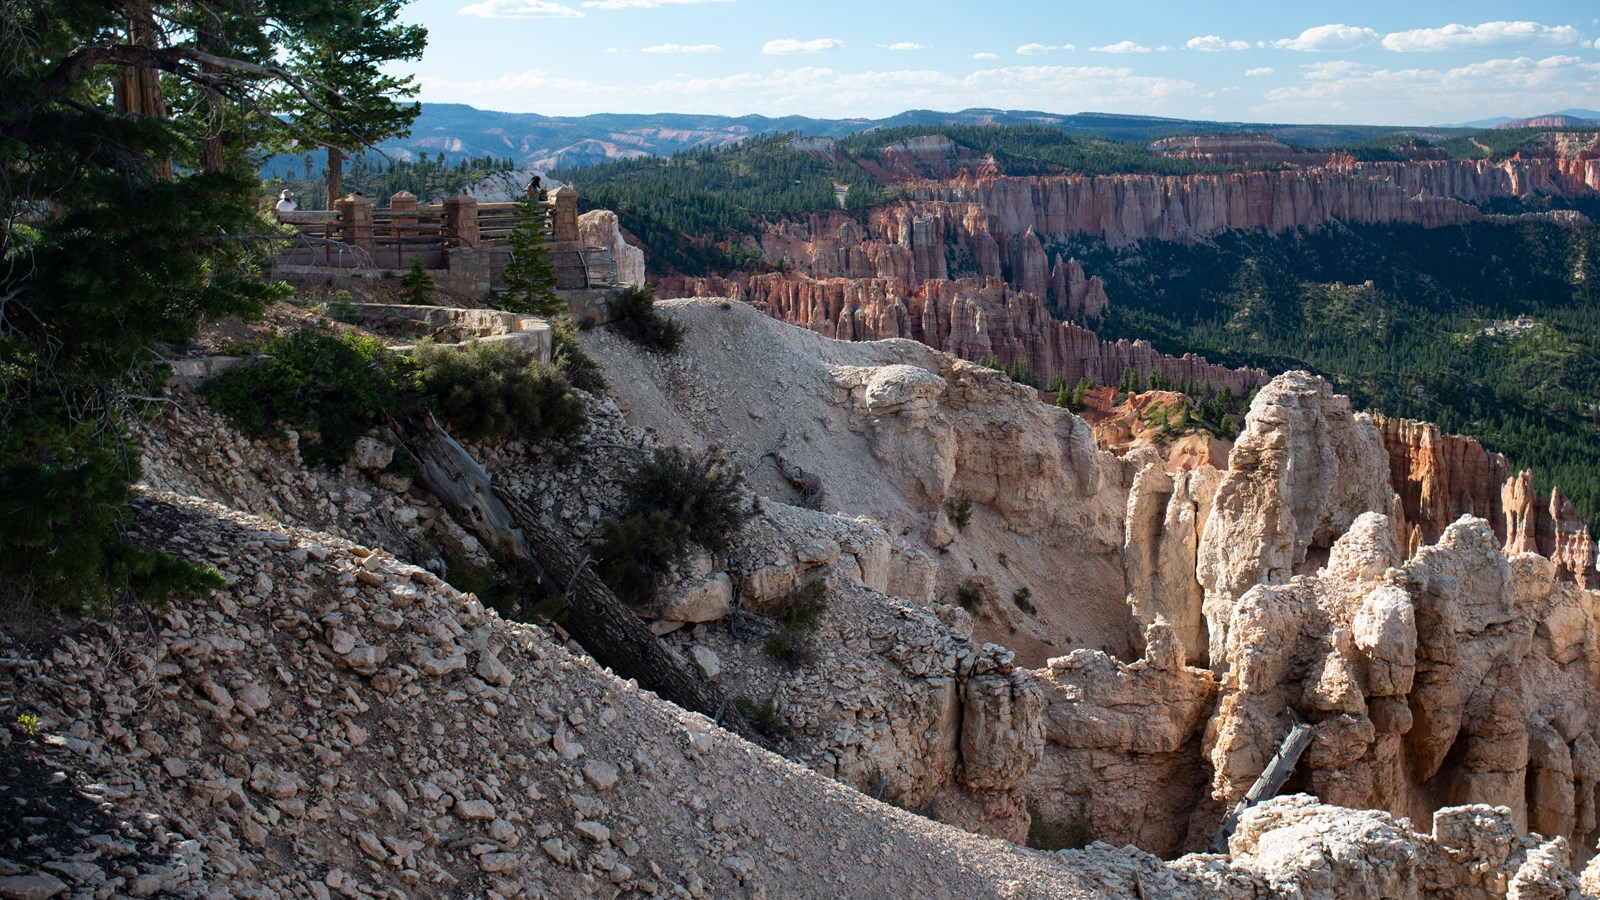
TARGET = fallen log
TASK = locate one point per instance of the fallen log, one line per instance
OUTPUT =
(596, 617)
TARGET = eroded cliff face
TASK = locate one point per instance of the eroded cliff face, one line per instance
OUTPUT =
(970, 319)
(1440, 477)
(1125, 209)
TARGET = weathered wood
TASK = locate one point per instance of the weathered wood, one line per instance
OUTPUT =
(1268, 783)
(596, 617)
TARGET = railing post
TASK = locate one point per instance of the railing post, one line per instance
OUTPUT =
(565, 224)
(355, 211)
(461, 217)
(403, 216)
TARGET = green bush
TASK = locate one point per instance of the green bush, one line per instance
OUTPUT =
(637, 550)
(765, 717)
(797, 615)
(802, 607)
(495, 390)
(567, 355)
(416, 286)
(970, 596)
(676, 498)
(339, 387)
(959, 510)
(336, 386)
(1023, 598)
(638, 321)
(700, 491)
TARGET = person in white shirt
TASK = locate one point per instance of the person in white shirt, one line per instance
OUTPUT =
(286, 202)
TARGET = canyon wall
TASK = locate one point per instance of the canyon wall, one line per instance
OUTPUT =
(1440, 477)
(1125, 209)
(972, 320)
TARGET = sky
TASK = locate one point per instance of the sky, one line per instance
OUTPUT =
(1388, 63)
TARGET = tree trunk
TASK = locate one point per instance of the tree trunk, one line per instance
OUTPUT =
(335, 173)
(137, 90)
(599, 620)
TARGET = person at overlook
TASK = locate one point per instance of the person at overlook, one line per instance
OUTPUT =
(285, 203)
(536, 189)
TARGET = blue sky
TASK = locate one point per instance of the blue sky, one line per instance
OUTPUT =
(1369, 62)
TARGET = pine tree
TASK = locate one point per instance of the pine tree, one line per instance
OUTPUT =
(1080, 394)
(352, 98)
(530, 279)
(416, 286)
(141, 180)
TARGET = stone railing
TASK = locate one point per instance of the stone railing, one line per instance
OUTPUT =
(461, 236)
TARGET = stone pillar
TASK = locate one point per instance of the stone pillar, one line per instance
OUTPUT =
(355, 218)
(564, 226)
(461, 217)
(403, 206)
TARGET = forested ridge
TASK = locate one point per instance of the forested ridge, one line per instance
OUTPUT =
(1487, 330)
(689, 209)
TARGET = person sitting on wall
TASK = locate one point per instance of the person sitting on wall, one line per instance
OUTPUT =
(536, 189)
(286, 203)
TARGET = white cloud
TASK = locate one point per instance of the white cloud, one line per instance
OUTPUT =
(1042, 49)
(644, 4)
(903, 45)
(1334, 91)
(612, 50)
(985, 55)
(1489, 34)
(1211, 43)
(1325, 38)
(519, 9)
(1263, 70)
(1121, 47)
(682, 48)
(790, 45)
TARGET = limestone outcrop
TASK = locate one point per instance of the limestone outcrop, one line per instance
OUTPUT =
(1454, 677)
(1440, 477)
(1121, 756)
(1301, 472)
(1125, 209)
(1167, 514)
(599, 228)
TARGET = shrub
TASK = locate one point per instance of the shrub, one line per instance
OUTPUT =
(803, 607)
(676, 498)
(637, 550)
(970, 596)
(797, 615)
(638, 321)
(1023, 598)
(495, 390)
(700, 491)
(765, 717)
(416, 286)
(313, 380)
(567, 355)
(342, 308)
(959, 511)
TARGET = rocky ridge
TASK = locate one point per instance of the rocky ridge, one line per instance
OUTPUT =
(328, 676)
(1280, 582)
